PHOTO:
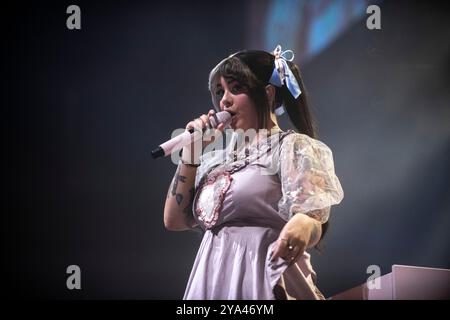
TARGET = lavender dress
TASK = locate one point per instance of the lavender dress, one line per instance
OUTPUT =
(243, 200)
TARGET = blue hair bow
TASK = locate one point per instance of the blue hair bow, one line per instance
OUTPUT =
(283, 74)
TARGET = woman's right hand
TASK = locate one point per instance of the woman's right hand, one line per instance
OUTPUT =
(208, 136)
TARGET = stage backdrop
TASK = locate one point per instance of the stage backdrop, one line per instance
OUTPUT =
(84, 108)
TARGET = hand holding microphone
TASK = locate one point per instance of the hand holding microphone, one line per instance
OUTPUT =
(194, 132)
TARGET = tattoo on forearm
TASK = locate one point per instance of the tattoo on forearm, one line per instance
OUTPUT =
(177, 178)
(188, 208)
(179, 198)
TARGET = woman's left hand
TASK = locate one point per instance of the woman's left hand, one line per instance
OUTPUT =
(299, 233)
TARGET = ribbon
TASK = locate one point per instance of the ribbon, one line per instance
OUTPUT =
(282, 73)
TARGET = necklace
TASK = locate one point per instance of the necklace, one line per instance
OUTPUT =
(263, 144)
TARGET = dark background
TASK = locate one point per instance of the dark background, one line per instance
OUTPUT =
(83, 109)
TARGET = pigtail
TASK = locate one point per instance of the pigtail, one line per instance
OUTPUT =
(299, 110)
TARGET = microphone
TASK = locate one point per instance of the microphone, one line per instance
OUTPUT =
(185, 138)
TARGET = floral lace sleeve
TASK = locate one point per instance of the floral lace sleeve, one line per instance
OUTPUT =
(308, 181)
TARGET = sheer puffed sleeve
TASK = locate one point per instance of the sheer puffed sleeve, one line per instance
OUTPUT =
(308, 181)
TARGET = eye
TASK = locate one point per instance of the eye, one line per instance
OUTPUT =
(237, 88)
(219, 92)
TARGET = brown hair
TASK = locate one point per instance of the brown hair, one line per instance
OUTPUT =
(253, 69)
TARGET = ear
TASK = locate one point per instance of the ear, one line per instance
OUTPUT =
(270, 92)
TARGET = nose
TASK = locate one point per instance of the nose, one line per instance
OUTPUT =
(226, 101)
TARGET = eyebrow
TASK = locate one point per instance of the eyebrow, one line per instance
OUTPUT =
(228, 81)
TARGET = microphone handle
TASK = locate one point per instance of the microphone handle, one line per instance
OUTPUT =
(175, 143)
